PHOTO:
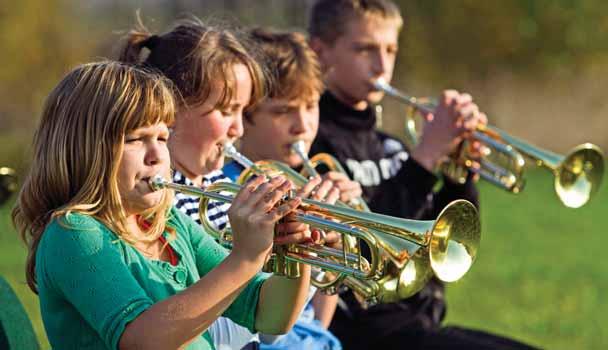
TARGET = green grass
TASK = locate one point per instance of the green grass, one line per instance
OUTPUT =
(12, 262)
(539, 276)
(540, 273)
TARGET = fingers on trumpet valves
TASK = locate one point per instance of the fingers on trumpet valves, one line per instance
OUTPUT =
(278, 212)
(294, 237)
(467, 116)
(268, 192)
(326, 191)
(309, 188)
(318, 236)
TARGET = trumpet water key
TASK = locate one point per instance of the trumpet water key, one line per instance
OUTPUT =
(578, 174)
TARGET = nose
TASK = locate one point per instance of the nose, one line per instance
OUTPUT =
(235, 131)
(154, 153)
(298, 122)
(380, 62)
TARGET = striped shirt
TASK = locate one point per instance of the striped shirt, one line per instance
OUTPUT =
(226, 334)
(217, 212)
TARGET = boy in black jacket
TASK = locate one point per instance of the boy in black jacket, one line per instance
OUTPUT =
(356, 41)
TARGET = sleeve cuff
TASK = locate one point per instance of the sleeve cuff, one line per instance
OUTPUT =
(128, 314)
(414, 173)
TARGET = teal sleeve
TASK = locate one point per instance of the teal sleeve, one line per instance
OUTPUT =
(80, 260)
(243, 309)
(208, 255)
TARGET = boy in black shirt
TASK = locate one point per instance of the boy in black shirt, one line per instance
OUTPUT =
(356, 42)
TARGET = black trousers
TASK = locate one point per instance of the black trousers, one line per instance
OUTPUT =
(451, 338)
(354, 336)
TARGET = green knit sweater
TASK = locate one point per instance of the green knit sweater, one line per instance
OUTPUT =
(92, 284)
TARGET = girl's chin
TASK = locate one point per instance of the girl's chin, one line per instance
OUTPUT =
(153, 199)
(214, 165)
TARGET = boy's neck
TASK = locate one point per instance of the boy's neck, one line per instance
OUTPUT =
(359, 105)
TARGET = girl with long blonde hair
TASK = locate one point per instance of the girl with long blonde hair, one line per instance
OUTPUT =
(114, 264)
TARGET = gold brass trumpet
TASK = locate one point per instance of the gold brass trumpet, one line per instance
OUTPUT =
(452, 239)
(403, 274)
(398, 281)
(578, 174)
(8, 183)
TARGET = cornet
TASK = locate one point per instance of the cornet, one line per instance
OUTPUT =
(452, 239)
(8, 183)
(578, 174)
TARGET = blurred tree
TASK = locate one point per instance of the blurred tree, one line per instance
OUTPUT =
(457, 43)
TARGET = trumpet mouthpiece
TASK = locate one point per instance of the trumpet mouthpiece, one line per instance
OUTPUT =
(380, 84)
(229, 149)
(157, 182)
(299, 147)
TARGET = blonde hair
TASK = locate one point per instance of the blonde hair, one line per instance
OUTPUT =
(329, 18)
(78, 147)
(194, 56)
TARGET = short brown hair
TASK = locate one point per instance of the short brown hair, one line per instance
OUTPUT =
(293, 65)
(193, 55)
(328, 18)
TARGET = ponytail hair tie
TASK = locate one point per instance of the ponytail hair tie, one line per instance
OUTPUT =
(151, 42)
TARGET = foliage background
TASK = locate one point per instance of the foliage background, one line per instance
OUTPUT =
(536, 67)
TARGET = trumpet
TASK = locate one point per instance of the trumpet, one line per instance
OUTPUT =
(452, 239)
(400, 279)
(8, 183)
(578, 174)
(398, 282)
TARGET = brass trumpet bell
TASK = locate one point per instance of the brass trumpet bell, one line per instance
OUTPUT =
(449, 243)
(445, 247)
(579, 175)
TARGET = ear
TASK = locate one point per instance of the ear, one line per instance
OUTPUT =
(317, 45)
(322, 50)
